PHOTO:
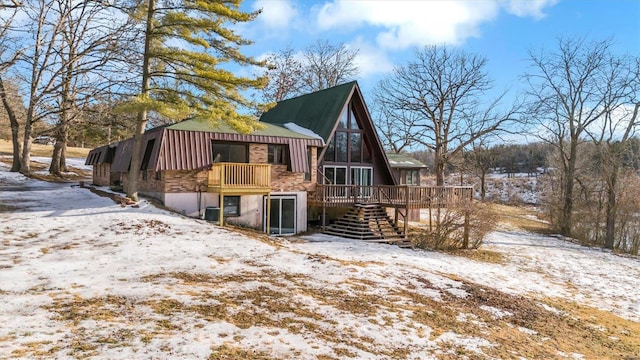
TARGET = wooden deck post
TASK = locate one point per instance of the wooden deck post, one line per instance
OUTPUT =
(406, 209)
(465, 239)
(323, 219)
(268, 217)
(221, 216)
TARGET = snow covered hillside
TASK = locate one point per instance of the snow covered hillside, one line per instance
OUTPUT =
(81, 276)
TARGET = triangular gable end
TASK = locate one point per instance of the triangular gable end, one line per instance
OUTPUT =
(355, 104)
(320, 112)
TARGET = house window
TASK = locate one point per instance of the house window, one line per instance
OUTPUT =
(223, 152)
(362, 176)
(111, 153)
(144, 175)
(278, 154)
(341, 146)
(158, 175)
(330, 153)
(349, 143)
(231, 206)
(147, 155)
(410, 177)
(356, 147)
(335, 175)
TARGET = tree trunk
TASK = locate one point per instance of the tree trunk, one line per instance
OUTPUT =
(483, 186)
(58, 164)
(58, 161)
(566, 217)
(63, 156)
(15, 128)
(141, 122)
(54, 167)
(25, 160)
(609, 239)
(136, 159)
(439, 165)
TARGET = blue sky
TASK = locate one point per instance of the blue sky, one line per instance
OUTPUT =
(386, 32)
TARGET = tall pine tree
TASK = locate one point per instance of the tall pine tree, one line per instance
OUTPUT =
(186, 42)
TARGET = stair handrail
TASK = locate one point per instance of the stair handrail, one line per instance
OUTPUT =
(392, 203)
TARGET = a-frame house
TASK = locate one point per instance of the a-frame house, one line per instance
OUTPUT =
(318, 158)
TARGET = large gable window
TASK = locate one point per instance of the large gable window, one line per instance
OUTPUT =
(349, 144)
(341, 146)
(227, 152)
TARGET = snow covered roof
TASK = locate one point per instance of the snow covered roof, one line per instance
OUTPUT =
(404, 161)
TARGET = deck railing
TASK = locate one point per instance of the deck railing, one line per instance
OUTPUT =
(413, 197)
(239, 176)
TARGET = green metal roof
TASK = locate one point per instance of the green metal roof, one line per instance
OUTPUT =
(317, 111)
(403, 161)
(204, 126)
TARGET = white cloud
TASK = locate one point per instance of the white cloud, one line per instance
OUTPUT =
(370, 60)
(533, 8)
(276, 14)
(406, 23)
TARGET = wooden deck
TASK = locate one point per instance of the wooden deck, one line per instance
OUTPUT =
(406, 197)
(239, 178)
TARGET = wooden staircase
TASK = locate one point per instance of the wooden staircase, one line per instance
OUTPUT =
(368, 222)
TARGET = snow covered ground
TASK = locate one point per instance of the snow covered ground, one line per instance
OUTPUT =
(81, 276)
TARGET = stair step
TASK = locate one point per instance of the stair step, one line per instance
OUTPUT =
(347, 231)
(368, 222)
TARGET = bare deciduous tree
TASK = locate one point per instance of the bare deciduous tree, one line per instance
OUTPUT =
(479, 161)
(394, 127)
(572, 89)
(319, 66)
(8, 92)
(328, 65)
(612, 142)
(439, 100)
(9, 4)
(285, 73)
(40, 69)
(88, 40)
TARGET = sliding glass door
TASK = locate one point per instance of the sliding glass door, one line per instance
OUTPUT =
(282, 219)
(362, 176)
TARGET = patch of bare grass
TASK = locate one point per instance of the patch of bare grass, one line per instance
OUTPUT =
(6, 148)
(483, 255)
(519, 218)
(234, 352)
(516, 326)
(520, 326)
(108, 308)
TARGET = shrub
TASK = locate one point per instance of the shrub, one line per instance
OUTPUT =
(458, 227)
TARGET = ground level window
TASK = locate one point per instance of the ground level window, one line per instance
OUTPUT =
(231, 206)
